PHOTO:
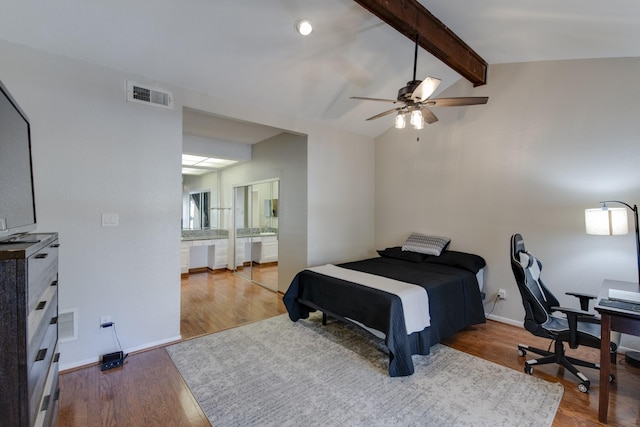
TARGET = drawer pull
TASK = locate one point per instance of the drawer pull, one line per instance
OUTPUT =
(54, 283)
(41, 354)
(54, 320)
(56, 357)
(55, 245)
(45, 403)
(41, 305)
(42, 256)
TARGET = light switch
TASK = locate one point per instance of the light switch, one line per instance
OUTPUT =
(109, 219)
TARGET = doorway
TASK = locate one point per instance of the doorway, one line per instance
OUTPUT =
(256, 226)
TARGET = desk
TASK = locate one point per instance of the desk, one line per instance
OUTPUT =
(624, 321)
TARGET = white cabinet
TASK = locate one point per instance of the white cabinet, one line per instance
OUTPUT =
(218, 254)
(205, 253)
(242, 250)
(268, 249)
(263, 249)
(184, 256)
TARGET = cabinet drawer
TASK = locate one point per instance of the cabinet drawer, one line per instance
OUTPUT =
(39, 321)
(42, 270)
(38, 368)
(48, 406)
(202, 243)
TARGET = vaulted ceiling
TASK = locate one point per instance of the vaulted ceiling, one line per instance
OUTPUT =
(248, 52)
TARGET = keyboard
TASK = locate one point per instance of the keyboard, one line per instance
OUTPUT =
(622, 305)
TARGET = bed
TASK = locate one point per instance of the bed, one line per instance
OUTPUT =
(453, 284)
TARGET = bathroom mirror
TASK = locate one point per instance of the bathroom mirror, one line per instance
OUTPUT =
(256, 232)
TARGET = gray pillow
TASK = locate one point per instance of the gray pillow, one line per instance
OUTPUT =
(424, 244)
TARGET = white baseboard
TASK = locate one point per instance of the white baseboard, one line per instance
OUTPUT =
(505, 320)
(95, 360)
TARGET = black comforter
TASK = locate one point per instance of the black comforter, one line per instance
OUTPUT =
(450, 281)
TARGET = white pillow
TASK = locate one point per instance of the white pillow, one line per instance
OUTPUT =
(424, 244)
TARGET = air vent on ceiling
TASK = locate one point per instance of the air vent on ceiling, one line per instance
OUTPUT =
(148, 95)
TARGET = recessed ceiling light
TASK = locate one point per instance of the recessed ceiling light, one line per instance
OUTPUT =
(198, 165)
(304, 27)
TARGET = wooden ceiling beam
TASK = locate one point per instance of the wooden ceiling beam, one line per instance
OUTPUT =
(410, 17)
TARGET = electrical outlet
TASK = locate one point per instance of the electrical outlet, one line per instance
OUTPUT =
(502, 294)
(104, 319)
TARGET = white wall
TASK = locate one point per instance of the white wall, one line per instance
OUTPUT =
(95, 153)
(341, 197)
(555, 138)
(198, 145)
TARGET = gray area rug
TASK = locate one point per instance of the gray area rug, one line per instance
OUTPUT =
(279, 373)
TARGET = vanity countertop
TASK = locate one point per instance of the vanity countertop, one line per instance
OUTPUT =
(190, 235)
(256, 235)
(191, 238)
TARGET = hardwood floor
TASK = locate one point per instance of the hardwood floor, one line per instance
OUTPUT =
(149, 391)
(214, 301)
(497, 342)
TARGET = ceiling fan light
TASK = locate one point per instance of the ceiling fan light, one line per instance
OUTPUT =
(416, 117)
(304, 27)
(401, 121)
(419, 124)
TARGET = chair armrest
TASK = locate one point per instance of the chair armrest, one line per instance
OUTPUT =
(572, 318)
(573, 312)
(584, 299)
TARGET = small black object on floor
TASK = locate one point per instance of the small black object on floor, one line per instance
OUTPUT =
(112, 360)
(633, 358)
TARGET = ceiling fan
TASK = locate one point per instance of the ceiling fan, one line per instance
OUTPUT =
(415, 99)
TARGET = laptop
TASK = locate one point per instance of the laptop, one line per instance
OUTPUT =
(626, 296)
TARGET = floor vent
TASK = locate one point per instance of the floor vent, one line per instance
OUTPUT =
(148, 95)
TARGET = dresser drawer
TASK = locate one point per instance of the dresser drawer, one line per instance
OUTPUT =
(42, 270)
(49, 403)
(40, 321)
(38, 368)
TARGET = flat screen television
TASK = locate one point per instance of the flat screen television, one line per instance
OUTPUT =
(17, 202)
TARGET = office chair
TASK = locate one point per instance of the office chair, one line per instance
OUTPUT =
(542, 319)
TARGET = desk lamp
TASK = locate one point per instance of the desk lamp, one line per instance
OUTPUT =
(610, 222)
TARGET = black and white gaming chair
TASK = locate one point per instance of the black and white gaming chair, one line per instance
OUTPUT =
(542, 317)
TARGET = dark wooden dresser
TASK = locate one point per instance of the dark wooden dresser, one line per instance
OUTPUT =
(29, 331)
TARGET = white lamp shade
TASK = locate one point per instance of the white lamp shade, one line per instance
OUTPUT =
(609, 222)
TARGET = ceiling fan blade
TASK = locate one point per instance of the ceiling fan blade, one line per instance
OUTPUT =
(374, 99)
(456, 102)
(425, 89)
(428, 115)
(393, 110)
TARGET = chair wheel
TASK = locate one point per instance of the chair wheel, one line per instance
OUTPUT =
(583, 387)
(612, 378)
(528, 369)
(521, 352)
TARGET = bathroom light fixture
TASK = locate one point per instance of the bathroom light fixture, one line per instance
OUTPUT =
(304, 27)
(607, 221)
